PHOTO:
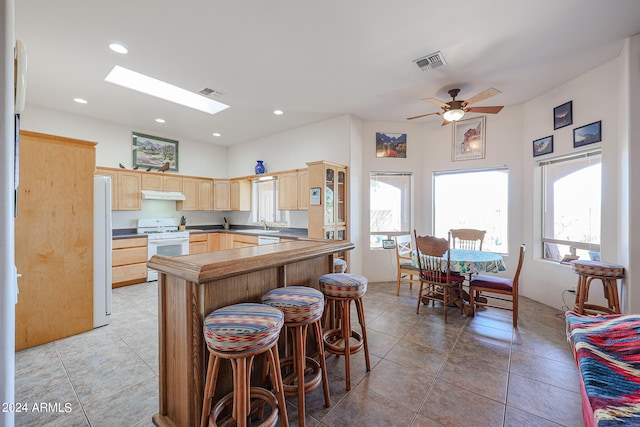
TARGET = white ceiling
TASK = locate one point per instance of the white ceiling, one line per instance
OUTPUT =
(312, 59)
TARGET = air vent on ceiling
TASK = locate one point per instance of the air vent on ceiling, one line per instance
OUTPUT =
(210, 92)
(431, 61)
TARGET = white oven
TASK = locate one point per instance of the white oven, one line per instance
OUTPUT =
(163, 239)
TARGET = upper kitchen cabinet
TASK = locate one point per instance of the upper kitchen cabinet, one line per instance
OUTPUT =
(54, 238)
(303, 189)
(221, 195)
(161, 182)
(288, 191)
(241, 194)
(125, 188)
(198, 194)
(328, 218)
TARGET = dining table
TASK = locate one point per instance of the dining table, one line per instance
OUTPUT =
(469, 262)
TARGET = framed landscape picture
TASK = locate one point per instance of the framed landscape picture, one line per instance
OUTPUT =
(468, 139)
(391, 144)
(587, 134)
(152, 152)
(543, 146)
(563, 115)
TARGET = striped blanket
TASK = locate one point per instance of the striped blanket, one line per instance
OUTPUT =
(607, 352)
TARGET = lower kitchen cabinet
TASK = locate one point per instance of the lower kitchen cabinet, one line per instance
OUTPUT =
(129, 261)
(241, 240)
(198, 243)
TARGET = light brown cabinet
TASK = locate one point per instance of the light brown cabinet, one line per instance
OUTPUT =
(288, 191)
(221, 195)
(198, 194)
(128, 261)
(198, 243)
(303, 189)
(54, 239)
(241, 194)
(161, 182)
(125, 189)
(241, 240)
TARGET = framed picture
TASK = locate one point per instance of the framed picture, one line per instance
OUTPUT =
(543, 146)
(152, 152)
(563, 115)
(468, 139)
(587, 134)
(314, 196)
(391, 144)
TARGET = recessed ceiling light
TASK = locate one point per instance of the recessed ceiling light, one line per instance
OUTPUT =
(154, 87)
(217, 134)
(80, 100)
(160, 120)
(278, 112)
(117, 47)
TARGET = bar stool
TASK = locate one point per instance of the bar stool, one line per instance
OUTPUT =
(339, 265)
(339, 290)
(608, 274)
(302, 307)
(238, 333)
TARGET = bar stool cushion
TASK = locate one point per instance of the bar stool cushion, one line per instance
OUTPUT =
(298, 303)
(242, 327)
(343, 285)
(339, 265)
(597, 268)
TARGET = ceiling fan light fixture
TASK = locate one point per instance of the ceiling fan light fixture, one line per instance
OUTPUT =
(453, 115)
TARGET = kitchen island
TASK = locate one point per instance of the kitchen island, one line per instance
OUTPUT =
(192, 286)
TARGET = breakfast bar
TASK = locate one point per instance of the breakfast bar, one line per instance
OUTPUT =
(192, 286)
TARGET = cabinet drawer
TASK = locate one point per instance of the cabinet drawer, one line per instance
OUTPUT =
(129, 273)
(128, 256)
(129, 243)
(198, 247)
(201, 237)
(249, 240)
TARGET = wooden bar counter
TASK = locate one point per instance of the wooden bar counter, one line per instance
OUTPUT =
(192, 286)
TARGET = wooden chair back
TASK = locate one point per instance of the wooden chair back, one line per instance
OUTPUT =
(467, 238)
(405, 267)
(433, 268)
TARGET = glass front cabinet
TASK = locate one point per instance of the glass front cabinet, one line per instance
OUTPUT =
(328, 201)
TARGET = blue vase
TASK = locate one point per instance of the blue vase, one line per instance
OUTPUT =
(260, 168)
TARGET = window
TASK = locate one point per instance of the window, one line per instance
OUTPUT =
(473, 199)
(265, 200)
(571, 206)
(389, 206)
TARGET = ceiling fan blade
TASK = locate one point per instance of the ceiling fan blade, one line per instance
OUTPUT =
(422, 115)
(487, 93)
(490, 110)
(445, 122)
(437, 102)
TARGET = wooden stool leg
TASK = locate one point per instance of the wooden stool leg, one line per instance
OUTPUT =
(209, 388)
(323, 363)
(360, 310)
(278, 387)
(346, 335)
(299, 366)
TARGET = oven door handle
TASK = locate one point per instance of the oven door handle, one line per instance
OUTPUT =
(179, 240)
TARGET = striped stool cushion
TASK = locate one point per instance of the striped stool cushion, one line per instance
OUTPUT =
(339, 265)
(298, 303)
(597, 268)
(242, 327)
(345, 285)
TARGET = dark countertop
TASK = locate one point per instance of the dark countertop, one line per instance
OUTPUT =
(290, 233)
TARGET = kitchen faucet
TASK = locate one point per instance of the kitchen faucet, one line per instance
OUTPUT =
(264, 223)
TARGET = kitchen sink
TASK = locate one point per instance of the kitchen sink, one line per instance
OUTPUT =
(259, 231)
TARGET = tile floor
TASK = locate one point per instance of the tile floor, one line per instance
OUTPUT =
(471, 372)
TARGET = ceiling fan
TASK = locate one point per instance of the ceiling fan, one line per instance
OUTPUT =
(454, 110)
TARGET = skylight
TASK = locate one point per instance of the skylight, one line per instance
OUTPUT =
(154, 87)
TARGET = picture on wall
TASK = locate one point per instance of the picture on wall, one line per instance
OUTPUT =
(152, 152)
(587, 134)
(391, 144)
(563, 115)
(543, 146)
(468, 139)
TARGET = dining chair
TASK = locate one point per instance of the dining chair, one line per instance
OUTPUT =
(467, 238)
(405, 266)
(504, 289)
(435, 273)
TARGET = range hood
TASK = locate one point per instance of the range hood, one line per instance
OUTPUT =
(162, 195)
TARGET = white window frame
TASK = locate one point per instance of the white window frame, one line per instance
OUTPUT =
(406, 209)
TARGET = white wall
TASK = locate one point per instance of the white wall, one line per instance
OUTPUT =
(595, 96)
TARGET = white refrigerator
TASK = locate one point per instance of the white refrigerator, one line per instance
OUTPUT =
(102, 236)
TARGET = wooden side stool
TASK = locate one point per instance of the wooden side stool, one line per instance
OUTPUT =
(238, 333)
(608, 274)
(340, 290)
(302, 307)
